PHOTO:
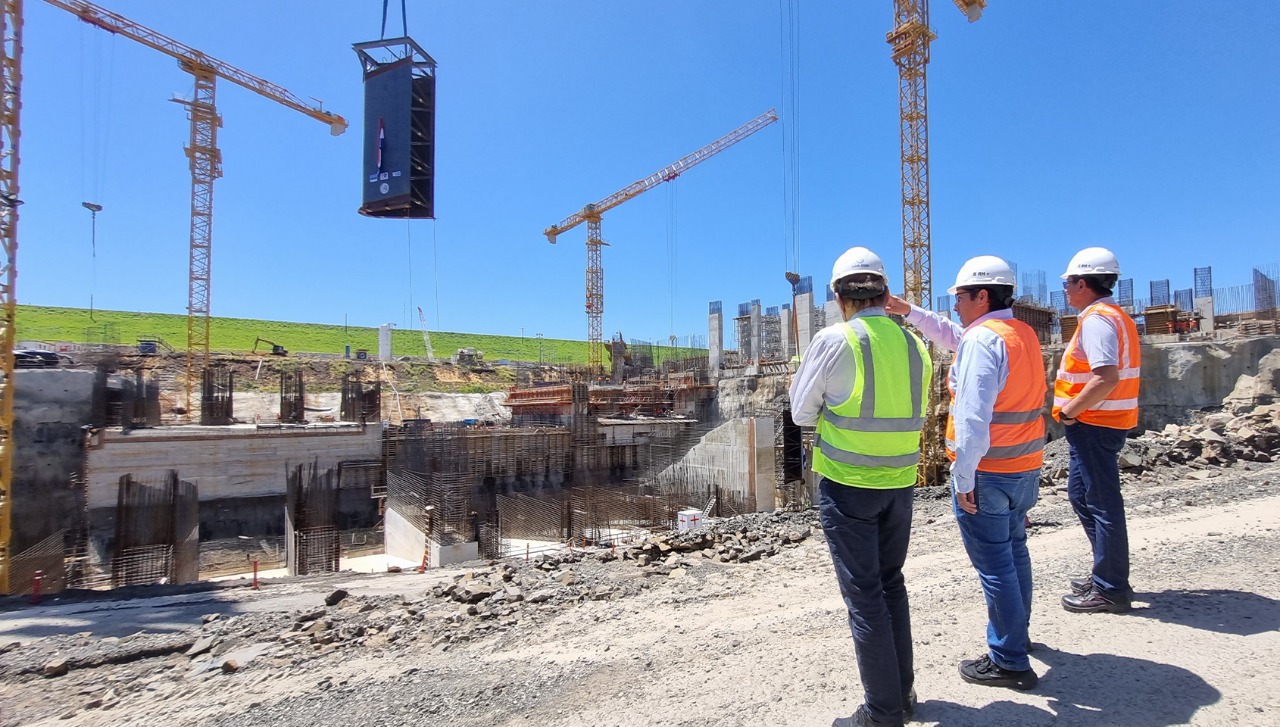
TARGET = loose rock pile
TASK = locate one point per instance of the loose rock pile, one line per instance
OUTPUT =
(1222, 439)
(1218, 440)
(740, 539)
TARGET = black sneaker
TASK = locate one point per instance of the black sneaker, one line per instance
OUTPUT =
(1082, 586)
(909, 706)
(861, 718)
(985, 671)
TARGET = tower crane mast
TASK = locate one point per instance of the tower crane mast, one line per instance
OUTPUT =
(204, 157)
(592, 212)
(10, 105)
(910, 39)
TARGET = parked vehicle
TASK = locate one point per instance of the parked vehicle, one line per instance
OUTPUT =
(35, 359)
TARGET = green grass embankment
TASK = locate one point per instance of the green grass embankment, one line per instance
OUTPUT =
(237, 335)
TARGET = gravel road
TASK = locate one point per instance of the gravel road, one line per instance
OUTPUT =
(763, 643)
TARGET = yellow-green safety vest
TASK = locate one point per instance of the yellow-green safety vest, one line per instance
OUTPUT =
(873, 439)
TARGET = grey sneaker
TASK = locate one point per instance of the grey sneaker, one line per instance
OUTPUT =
(861, 718)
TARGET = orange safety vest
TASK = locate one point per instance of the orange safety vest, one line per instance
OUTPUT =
(1017, 421)
(1120, 409)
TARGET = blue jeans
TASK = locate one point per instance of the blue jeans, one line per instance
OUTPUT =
(996, 539)
(867, 531)
(1093, 486)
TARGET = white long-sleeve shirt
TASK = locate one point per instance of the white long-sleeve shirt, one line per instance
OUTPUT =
(977, 376)
(825, 376)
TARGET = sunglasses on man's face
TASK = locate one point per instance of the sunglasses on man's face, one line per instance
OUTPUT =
(1066, 284)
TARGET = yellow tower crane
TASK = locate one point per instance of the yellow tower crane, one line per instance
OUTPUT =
(206, 166)
(10, 105)
(910, 40)
(202, 151)
(592, 212)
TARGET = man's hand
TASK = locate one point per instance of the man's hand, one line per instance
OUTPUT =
(968, 502)
(897, 306)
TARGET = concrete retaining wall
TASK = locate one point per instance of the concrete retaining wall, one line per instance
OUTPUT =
(224, 462)
(726, 457)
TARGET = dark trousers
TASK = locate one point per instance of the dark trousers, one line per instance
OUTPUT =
(1093, 486)
(867, 531)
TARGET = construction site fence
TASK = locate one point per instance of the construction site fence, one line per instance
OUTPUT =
(45, 561)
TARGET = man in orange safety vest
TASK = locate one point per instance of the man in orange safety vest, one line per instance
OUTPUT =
(995, 440)
(1096, 399)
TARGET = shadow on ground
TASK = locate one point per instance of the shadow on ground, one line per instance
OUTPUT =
(116, 618)
(1089, 690)
(1226, 612)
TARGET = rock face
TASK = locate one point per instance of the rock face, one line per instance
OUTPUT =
(1178, 378)
(1260, 389)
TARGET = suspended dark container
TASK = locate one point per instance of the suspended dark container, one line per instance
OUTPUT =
(399, 129)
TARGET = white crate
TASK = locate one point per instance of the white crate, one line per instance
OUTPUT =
(689, 519)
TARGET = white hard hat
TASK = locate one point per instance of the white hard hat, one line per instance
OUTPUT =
(984, 270)
(1093, 261)
(857, 260)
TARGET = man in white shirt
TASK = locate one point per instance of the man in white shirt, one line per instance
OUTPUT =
(1095, 397)
(995, 439)
(864, 382)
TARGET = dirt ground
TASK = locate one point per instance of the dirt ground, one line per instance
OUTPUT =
(764, 643)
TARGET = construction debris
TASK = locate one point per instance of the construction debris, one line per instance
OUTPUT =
(733, 540)
(1218, 440)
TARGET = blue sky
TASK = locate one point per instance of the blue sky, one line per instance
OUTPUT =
(1146, 127)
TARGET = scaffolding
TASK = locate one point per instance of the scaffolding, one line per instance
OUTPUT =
(1160, 292)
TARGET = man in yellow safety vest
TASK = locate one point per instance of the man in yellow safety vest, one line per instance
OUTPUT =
(864, 382)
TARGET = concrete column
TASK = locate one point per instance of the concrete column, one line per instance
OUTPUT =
(763, 465)
(715, 338)
(1204, 306)
(804, 322)
(756, 348)
(788, 336)
(832, 307)
(384, 341)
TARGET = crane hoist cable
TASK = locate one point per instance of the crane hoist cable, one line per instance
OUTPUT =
(408, 245)
(789, 93)
(435, 271)
(404, 19)
(789, 90)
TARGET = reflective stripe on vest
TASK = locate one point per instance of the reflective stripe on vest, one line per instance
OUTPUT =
(872, 439)
(1017, 419)
(1120, 409)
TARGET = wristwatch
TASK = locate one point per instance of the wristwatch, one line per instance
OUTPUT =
(1062, 417)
